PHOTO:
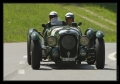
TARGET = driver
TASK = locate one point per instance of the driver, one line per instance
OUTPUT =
(69, 17)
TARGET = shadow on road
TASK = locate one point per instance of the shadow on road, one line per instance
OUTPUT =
(109, 69)
(67, 67)
(71, 67)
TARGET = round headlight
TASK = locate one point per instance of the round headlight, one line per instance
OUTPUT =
(51, 41)
(84, 40)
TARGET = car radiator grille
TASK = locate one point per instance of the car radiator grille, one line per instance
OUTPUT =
(68, 46)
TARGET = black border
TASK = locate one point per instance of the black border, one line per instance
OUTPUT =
(61, 2)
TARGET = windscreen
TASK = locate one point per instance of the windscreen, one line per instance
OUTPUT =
(56, 21)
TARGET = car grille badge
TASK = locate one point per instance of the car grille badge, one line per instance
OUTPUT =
(68, 53)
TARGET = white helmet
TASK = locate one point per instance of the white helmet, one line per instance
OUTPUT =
(69, 15)
(53, 14)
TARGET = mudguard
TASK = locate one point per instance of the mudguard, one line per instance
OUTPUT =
(30, 31)
(35, 36)
(89, 32)
(99, 34)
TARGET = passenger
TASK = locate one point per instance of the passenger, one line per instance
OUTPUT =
(53, 19)
(52, 14)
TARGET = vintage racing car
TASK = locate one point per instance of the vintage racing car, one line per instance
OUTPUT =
(62, 43)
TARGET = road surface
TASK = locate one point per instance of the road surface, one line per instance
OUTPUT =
(15, 67)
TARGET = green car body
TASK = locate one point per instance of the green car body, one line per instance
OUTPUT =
(66, 44)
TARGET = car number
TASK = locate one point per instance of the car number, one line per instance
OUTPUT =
(68, 59)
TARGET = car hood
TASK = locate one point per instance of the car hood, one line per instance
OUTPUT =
(61, 30)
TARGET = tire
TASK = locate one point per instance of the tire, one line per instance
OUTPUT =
(28, 50)
(100, 53)
(36, 54)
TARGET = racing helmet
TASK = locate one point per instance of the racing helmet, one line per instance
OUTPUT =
(69, 15)
(53, 14)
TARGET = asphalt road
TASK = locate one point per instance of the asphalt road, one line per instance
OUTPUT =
(15, 67)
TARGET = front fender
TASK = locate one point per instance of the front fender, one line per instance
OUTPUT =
(99, 34)
(89, 32)
(30, 31)
(35, 36)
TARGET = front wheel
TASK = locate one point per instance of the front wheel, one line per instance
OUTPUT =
(100, 53)
(28, 50)
(36, 54)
